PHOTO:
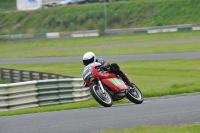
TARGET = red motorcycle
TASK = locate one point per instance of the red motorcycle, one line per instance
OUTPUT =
(106, 87)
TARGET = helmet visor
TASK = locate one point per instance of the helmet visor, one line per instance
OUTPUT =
(87, 62)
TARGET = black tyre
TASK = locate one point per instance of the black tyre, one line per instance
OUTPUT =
(102, 98)
(135, 95)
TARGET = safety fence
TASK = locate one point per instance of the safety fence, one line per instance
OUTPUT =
(108, 32)
(13, 75)
(41, 93)
(91, 33)
(150, 30)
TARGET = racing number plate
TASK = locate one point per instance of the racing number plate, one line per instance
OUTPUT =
(87, 74)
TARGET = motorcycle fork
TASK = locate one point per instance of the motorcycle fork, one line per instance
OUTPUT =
(101, 86)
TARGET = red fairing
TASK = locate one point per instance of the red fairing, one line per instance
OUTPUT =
(87, 81)
(101, 74)
(109, 79)
(115, 84)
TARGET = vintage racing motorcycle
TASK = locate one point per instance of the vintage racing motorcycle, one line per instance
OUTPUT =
(106, 87)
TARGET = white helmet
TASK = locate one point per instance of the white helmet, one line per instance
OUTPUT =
(88, 58)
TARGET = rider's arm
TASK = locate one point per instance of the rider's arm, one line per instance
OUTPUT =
(86, 75)
(104, 63)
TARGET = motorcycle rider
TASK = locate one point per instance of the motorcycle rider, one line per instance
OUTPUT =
(89, 57)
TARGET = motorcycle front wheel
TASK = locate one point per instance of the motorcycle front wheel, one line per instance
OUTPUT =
(102, 98)
(134, 95)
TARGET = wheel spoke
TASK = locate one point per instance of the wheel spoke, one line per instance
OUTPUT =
(104, 97)
(135, 93)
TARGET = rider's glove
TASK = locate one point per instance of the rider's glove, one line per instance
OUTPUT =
(103, 68)
(105, 63)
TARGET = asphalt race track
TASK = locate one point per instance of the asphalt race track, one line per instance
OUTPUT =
(112, 58)
(162, 111)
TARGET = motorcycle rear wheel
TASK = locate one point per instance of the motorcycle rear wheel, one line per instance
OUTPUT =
(135, 95)
(102, 98)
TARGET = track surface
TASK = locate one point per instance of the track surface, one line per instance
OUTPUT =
(112, 58)
(162, 111)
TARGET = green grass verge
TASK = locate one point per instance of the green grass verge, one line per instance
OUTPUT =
(123, 14)
(61, 47)
(189, 128)
(112, 50)
(154, 78)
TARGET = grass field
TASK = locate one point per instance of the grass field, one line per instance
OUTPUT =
(155, 78)
(122, 14)
(190, 128)
(105, 45)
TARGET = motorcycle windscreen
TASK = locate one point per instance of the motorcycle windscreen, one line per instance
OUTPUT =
(115, 84)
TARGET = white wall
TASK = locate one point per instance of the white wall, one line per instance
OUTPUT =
(29, 4)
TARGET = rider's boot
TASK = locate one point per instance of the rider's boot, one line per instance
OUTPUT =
(126, 80)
